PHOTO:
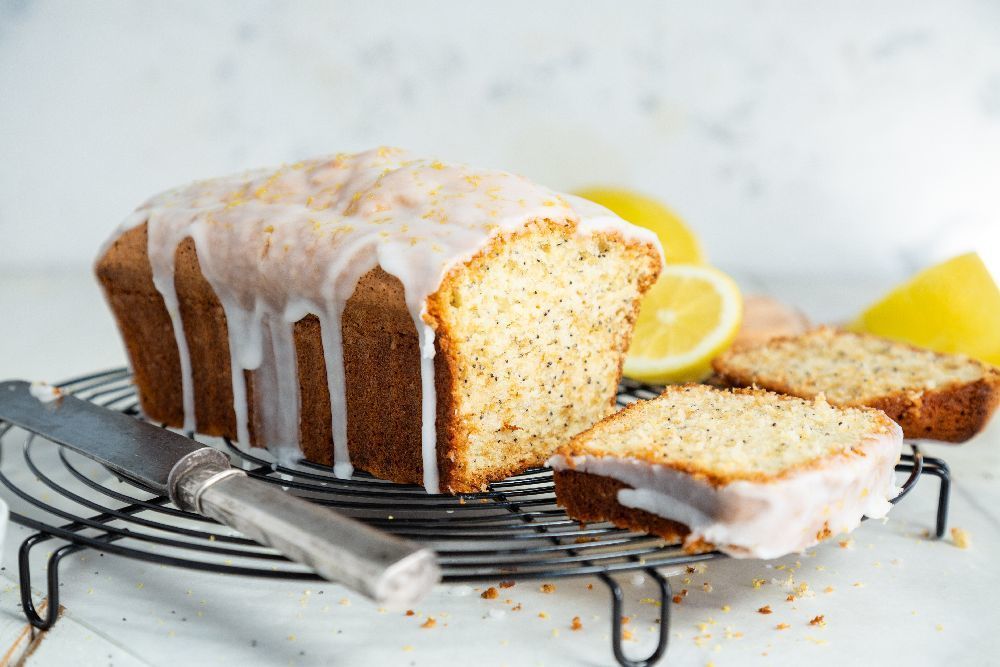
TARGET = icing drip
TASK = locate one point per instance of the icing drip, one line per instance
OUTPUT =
(162, 246)
(428, 411)
(277, 245)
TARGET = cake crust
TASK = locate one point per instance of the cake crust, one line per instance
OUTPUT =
(591, 498)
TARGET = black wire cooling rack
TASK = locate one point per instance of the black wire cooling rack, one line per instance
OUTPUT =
(514, 530)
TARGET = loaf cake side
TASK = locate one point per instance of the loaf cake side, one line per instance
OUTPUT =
(382, 355)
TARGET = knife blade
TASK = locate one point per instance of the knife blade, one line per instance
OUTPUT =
(392, 571)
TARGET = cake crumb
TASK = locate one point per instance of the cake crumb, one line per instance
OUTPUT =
(818, 620)
(590, 587)
(782, 626)
(766, 609)
(707, 587)
(626, 620)
(790, 598)
(490, 593)
(847, 543)
(726, 608)
(543, 614)
(429, 623)
(859, 584)
(677, 599)
(576, 624)
(344, 602)
(757, 583)
(960, 538)
(548, 588)
(828, 589)
(626, 634)
(410, 612)
(507, 584)
(407, 648)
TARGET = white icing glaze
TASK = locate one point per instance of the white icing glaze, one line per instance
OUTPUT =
(760, 519)
(276, 245)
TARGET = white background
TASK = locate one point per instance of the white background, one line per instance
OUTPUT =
(837, 137)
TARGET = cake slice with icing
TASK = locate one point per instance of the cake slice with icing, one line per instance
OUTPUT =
(427, 322)
(752, 473)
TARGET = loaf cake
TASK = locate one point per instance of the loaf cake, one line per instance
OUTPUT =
(945, 397)
(428, 323)
(752, 473)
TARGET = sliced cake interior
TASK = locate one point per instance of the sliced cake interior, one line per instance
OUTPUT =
(946, 397)
(750, 472)
(534, 332)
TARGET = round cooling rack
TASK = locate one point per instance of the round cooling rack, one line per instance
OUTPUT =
(514, 530)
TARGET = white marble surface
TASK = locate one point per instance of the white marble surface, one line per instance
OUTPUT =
(839, 136)
(854, 141)
(919, 602)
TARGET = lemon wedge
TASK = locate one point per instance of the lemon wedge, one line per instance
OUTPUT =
(687, 318)
(953, 306)
(680, 245)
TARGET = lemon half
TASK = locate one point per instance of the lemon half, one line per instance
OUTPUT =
(687, 318)
(680, 245)
(953, 306)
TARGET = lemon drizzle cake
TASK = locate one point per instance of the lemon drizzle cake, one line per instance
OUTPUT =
(750, 472)
(283, 250)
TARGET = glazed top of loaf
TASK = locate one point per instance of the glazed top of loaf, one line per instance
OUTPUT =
(278, 244)
(285, 234)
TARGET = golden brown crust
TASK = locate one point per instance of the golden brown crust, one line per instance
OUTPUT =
(951, 413)
(591, 498)
(716, 478)
(380, 342)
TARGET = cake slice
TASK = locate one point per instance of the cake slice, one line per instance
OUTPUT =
(945, 397)
(752, 473)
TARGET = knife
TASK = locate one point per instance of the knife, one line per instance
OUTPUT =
(392, 571)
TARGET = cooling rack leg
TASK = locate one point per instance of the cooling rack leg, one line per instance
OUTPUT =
(940, 469)
(24, 574)
(617, 601)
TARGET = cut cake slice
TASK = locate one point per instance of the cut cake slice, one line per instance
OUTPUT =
(750, 472)
(947, 397)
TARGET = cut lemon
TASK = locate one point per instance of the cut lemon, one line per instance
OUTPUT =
(689, 316)
(950, 307)
(680, 245)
